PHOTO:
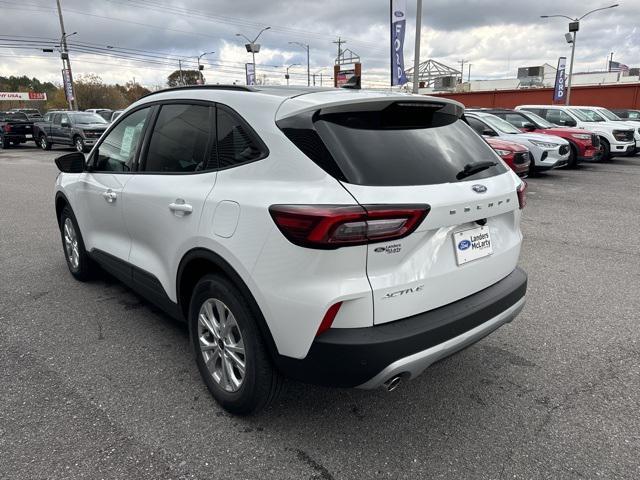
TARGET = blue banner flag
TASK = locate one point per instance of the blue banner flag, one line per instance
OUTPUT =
(398, 27)
(560, 91)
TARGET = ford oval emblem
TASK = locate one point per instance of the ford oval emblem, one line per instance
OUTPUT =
(398, 13)
(479, 188)
(464, 244)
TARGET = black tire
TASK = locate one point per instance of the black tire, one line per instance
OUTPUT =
(261, 382)
(44, 143)
(573, 156)
(606, 150)
(4, 143)
(85, 268)
(532, 168)
(78, 142)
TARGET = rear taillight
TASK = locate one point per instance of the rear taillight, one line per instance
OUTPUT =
(334, 226)
(7, 128)
(522, 194)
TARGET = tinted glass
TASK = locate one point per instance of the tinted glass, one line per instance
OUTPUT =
(117, 151)
(633, 114)
(235, 142)
(57, 118)
(16, 116)
(582, 115)
(370, 153)
(499, 124)
(514, 119)
(180, 140)
(609, 115)
(477, 125)
(538, 120)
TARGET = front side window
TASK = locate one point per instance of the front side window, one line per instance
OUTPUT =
(583, 116)
(516, 119)
(538, 120)
(57, 118)
(609, 115)
(477, 125)
(117, 151)
(180, 140)
(633, 114)
(235, 142)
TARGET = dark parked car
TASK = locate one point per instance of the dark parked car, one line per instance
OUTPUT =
(80, 129)
(627, 115)
(15, 128)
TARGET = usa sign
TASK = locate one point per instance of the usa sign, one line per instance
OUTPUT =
(23, 96)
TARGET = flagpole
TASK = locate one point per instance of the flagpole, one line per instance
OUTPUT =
(416, 61)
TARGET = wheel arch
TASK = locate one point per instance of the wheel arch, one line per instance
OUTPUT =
(61, 202)
(198, 262)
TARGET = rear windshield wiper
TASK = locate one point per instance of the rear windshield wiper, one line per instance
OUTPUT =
(473, 168)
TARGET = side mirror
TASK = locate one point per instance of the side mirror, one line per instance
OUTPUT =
(488, 132)
(65, 124)
(71, 163)
(569, 123)
(529, 127)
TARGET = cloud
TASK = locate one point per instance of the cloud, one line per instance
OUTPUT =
(494, 36)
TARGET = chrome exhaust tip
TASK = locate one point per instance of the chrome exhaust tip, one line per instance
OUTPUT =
(393, 383)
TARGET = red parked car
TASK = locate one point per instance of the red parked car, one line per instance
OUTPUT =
(515, 155)
(584, 144)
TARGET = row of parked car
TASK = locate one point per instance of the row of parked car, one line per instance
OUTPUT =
(73, 128)
(529, 138)
(532, 138)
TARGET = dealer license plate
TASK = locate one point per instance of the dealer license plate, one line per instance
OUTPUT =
(472, 244)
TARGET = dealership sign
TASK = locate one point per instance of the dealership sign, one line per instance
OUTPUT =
(28, 96)
(560, 91)
(398, 27)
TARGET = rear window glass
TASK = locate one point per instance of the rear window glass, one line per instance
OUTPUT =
(393, 146)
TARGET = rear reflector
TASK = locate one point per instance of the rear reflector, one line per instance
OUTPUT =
(522, 194)
(329, 317)
(334, 226)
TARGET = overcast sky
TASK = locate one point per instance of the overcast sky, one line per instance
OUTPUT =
(495, 36)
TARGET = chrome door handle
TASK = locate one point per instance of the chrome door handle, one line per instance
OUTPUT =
(110, 196)
(179, 207)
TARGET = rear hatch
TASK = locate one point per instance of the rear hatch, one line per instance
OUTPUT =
(412, 151)
(18, 124)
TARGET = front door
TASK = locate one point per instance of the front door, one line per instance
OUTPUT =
(101, 188)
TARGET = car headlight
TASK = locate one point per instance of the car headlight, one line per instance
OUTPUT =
(544, 144)
(581, 136)
(502, 153)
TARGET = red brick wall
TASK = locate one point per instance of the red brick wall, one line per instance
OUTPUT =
(609, 96)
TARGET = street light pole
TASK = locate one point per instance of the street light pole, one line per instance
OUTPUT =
(252, 47)
(574, 26)
(287, 75)
(73, 105)
(306, 47)
(200, 67)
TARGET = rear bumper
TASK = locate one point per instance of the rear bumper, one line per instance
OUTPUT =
(367, 357)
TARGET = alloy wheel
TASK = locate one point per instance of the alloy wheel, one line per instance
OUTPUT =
(43, 142)
(221, 345)
(71, 243)
(79, 145)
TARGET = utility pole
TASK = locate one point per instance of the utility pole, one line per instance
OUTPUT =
(469, 76)
(610, 60)
(573, 52)
(73, 105)
(339, 42)
(416, 58)
(180, 68)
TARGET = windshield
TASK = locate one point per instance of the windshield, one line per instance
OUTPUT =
(86, 118)
(608, 114)
(499, 124)
(540, 121)
(587, 115)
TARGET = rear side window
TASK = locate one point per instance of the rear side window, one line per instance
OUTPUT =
(180, 140)
(236, 143)
(402, 143)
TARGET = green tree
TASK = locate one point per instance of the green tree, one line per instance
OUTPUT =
(189, 77)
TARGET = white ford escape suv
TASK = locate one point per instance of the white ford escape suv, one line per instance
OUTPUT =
(339, 237)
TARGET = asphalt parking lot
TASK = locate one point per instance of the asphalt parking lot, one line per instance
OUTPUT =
(96, 383)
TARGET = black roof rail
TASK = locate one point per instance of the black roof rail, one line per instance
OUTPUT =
(240, 88)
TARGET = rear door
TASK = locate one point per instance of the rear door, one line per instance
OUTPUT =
(164, 200)
(470, 238)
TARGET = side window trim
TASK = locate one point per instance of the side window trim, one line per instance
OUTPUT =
(141, 160)
(253, 135)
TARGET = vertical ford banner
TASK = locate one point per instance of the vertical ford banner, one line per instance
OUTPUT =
(560, 90)
(398, 27)
(250, 70)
